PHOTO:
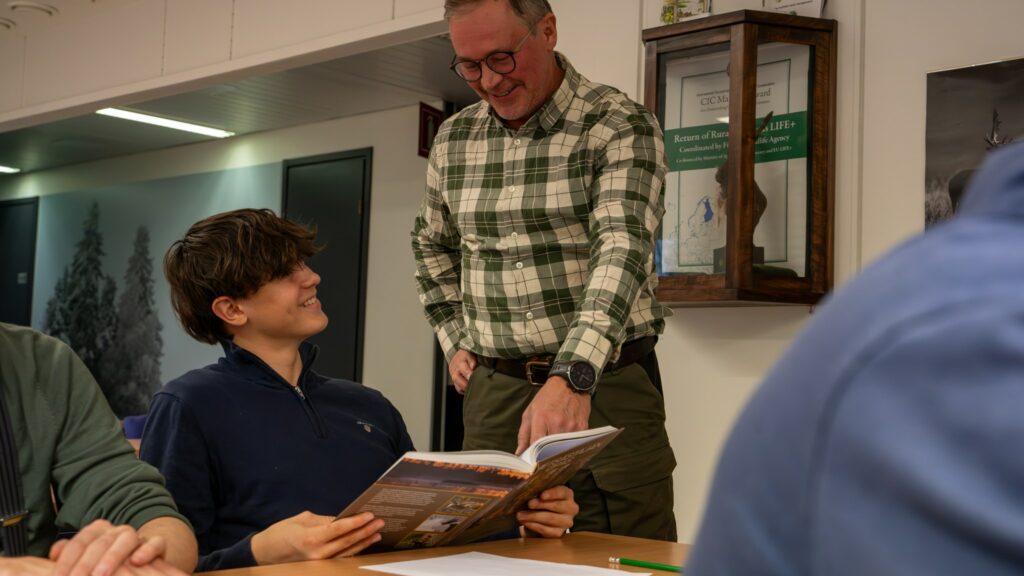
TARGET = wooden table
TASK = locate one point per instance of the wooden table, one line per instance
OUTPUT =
(584, 548)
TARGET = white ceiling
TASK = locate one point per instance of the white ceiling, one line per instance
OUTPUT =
(387, 78)
(32, 15)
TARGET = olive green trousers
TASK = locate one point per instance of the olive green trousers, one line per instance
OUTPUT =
(627, 488)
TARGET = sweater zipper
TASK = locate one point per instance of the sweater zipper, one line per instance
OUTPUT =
(311, 413)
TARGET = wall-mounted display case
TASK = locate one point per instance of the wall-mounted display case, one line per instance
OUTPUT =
(747, 102)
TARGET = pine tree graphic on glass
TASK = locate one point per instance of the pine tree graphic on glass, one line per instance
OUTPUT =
(131, 366)
(82, 298)
(118, 339)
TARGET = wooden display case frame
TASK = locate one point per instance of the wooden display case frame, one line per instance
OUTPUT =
(743, 31)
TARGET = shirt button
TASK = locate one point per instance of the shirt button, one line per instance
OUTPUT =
(511, 188)
(519, 265)
(517, 141)
(529, 315)
(515, 235)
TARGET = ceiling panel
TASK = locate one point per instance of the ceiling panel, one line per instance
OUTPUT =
(384, 79)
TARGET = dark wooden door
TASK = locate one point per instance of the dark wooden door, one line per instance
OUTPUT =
(17, 259)
(332, 192)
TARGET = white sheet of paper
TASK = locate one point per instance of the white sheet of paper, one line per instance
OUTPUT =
(481, 564)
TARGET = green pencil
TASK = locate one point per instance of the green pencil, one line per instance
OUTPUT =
(642, 564)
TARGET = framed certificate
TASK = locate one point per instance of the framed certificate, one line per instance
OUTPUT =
(696, 125)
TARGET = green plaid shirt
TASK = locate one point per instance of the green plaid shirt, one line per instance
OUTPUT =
(541, 240)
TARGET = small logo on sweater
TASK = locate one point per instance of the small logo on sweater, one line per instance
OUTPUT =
(366, 426)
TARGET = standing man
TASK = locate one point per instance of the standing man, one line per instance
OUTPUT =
(535, 260)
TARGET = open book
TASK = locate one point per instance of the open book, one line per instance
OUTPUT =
(434, 498)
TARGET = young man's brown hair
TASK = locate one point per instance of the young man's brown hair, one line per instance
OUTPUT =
(231, 254)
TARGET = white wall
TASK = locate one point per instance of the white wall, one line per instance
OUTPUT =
(602, 40)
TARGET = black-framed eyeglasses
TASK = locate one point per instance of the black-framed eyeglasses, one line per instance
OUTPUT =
(500, 61)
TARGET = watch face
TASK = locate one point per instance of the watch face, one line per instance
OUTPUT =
(581, 376)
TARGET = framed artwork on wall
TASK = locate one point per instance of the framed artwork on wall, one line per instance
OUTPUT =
(970, 111)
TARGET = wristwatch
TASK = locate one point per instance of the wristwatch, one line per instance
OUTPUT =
(580, 375)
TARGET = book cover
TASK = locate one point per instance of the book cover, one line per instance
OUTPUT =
(434, 498)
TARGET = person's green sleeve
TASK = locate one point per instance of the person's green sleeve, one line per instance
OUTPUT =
(95, 472)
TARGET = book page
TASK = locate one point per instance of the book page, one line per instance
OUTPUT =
(494, 458)
(553, 444)
(491, 565)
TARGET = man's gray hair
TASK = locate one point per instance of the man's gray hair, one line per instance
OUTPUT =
(530, 11)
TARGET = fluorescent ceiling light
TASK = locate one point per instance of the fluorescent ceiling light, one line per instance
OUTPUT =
(9, 170)
(723, 119)
(165, 122)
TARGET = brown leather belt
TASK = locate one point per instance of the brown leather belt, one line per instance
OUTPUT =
(535, 369)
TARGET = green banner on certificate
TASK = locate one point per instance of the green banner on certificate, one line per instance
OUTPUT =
(707, 146)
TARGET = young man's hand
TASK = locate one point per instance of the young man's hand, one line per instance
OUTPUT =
(101, 549)
(551, 513)
(26, 566)
(309, 536)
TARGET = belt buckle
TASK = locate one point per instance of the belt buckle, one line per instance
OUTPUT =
(13, 518)
(538, 363)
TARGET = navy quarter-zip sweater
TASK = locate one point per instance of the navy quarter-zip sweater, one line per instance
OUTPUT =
(242, 449)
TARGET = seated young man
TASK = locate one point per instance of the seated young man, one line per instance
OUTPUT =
(259, 451)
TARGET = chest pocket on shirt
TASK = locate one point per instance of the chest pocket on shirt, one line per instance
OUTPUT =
(571, 174)
(560, 206)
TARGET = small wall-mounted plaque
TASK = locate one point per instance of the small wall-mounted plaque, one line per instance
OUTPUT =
(430, 121)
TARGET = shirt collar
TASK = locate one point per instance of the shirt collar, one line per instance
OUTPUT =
(239, 356)
(555, 108)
